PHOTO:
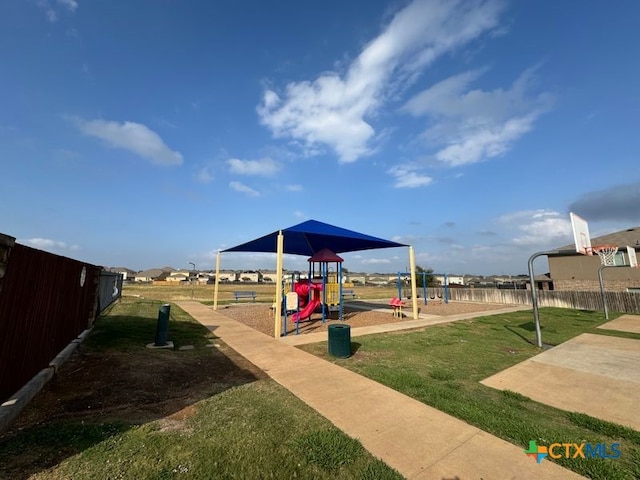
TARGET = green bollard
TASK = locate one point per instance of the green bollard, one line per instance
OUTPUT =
(163, 325)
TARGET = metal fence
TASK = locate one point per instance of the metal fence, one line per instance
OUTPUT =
(109, 291)
(46, 301)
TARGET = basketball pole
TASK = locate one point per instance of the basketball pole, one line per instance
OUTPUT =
(602, 292)
(534, 294)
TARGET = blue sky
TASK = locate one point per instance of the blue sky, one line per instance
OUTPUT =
(144, 134)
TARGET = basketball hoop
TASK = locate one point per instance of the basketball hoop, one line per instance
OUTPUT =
(607, 253)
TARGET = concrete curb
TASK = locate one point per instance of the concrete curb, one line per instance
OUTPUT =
(11, 408)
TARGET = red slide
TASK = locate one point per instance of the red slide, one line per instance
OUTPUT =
(304, 290)
(307, 311)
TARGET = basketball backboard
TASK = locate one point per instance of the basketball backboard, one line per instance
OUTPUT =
(581, 235)
(633, 260)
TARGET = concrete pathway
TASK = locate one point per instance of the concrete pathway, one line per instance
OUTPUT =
(625, 323)
(415, 439)
(593, 374)
(425, 320)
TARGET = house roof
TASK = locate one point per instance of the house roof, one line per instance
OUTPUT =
(630, 236)
(308, 238)
(120, 269)
(152, 273)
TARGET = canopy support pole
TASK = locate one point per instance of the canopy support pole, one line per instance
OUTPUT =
(215, 288)
(277, 311)
(414, 296)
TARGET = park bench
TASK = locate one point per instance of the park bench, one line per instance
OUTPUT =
(348, 292)
(244, 294)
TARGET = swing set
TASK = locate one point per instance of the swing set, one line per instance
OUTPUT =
(403, 287)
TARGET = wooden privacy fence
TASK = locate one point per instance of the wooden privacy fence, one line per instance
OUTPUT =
(625, 302)
(46, 301)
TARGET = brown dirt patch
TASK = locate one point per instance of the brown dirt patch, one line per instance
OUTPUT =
(134, 388)
(260, 316)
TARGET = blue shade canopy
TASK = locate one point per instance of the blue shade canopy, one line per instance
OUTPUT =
(308, 238)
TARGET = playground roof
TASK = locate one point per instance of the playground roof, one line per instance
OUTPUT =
(310, 237)
(326, 255)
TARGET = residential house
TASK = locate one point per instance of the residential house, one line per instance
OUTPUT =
(270, 276)
(379, 279)
(250, 276)
(150, 275)
(127, 273)
(179, 276)
(451, 279)
(227, 276)
(355, 278)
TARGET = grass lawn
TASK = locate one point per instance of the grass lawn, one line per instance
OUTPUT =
(442, 366)
(120, 410)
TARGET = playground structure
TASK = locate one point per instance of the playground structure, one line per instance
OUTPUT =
(321, 289)
(310, 238)
(403, 287)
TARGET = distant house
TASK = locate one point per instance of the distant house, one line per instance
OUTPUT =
(269, 276)
(250, 276)
(570, 271)
(178, 276)
(356, 278)
(378, 279)
(451, 279)
(127, 273)
(226, 276)
(150, 275)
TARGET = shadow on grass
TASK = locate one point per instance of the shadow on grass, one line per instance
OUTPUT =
(515, 332)
(112, 384)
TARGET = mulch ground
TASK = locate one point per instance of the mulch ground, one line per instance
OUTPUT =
(260, 316)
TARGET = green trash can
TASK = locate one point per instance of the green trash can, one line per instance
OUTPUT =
(340, 340)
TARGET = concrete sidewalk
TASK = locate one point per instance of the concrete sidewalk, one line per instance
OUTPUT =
(625, 323)
(593, 374)
(425, 320)
(415, 439)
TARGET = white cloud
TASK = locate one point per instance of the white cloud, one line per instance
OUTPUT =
(294, 188)
(264, 167)
(242, 188)
(48, 244)
(135, 137)
(51, 13)
(334, 110)
(299, 214)
(541, 227)
(375, 261)
(469, 126)
(407, 176)
(72, 5)
(204, 175)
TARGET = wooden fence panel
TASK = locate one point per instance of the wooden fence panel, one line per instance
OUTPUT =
(46, 301)
(625, 302)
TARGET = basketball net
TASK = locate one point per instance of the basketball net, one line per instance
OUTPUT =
(607, 253)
